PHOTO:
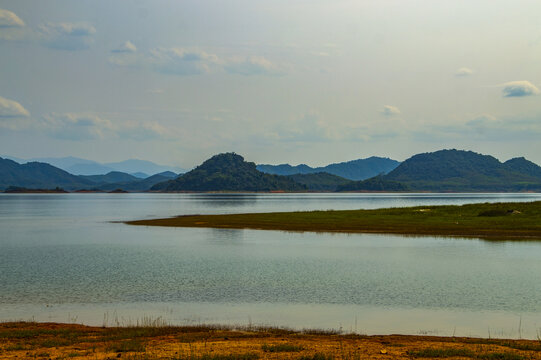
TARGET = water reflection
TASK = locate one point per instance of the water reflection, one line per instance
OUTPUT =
(225, 200)
(227, 236)
(62, 250)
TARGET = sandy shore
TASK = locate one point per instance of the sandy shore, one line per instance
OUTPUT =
(64, 341)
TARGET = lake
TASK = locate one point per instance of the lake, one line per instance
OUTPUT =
(63, 259)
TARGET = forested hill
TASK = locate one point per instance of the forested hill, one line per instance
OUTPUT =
(320, 181)
(458, 170)
(523, 166)
(36, 175)
(228, 172)
(353, 170)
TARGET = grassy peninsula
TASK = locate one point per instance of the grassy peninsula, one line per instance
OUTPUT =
(506, 221)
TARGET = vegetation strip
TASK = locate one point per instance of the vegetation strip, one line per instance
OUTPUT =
(62, 341)
(505, 221)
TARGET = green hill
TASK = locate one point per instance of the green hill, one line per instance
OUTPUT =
(377, 183)
(320, 181)
(36, 175)
(458, 170)
(523, 166)
(228, 172)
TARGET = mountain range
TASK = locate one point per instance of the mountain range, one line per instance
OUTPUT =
(440, 171)
(353, 170)
(78, 166)
(37, 175)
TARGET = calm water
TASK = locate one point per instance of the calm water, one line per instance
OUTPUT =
(61, 259)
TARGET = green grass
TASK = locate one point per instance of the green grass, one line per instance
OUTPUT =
(247, 356)
(316, 356)
(195, 356)
(442, 353)
(281, 348)
(16, 347)
(432, 353)
(512, 345)
(56, 342)
(133, 345)
(504, 221)
(501, 356)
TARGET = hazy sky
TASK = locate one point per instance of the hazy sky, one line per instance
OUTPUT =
(313, 81)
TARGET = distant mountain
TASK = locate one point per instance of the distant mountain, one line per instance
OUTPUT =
(168, 174)
(140, 175)
(228, 172)
(138, 185)
(111, 177)
(458, 170)
(353, 170)
(147, 167)
(89, 169)
(61, 162)
(36, 175)
(13, 158)
(286, 169)
(320, 181)
(78, 166)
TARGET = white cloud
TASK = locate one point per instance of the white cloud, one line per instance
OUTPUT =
(9, 19)
(463, 72)
(127, 47)
(124, 59)
(12, 28)
(483, 127)
(125, 55)
(181, 61)
(87, 126)
(313, 127)
(13, 115)
(308, 127)
(483, 120)
(519, 89)
(176, 61)
(12, 109)
(77, 126)
(67, 36)
(143, 130)
(390, 110)
(253, 65)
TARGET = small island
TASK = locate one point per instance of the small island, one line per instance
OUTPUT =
(505, 221)
(23, 190)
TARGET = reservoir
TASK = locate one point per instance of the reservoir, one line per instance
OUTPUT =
(65, 258)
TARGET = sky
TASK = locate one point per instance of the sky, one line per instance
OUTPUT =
(296, 81)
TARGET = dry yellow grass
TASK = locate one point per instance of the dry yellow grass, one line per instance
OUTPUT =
(65, 341)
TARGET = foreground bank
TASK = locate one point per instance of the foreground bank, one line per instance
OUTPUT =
(512, 221)
(61, 341)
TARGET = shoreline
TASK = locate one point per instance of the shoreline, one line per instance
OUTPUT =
(60, 340)
(491, 221)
